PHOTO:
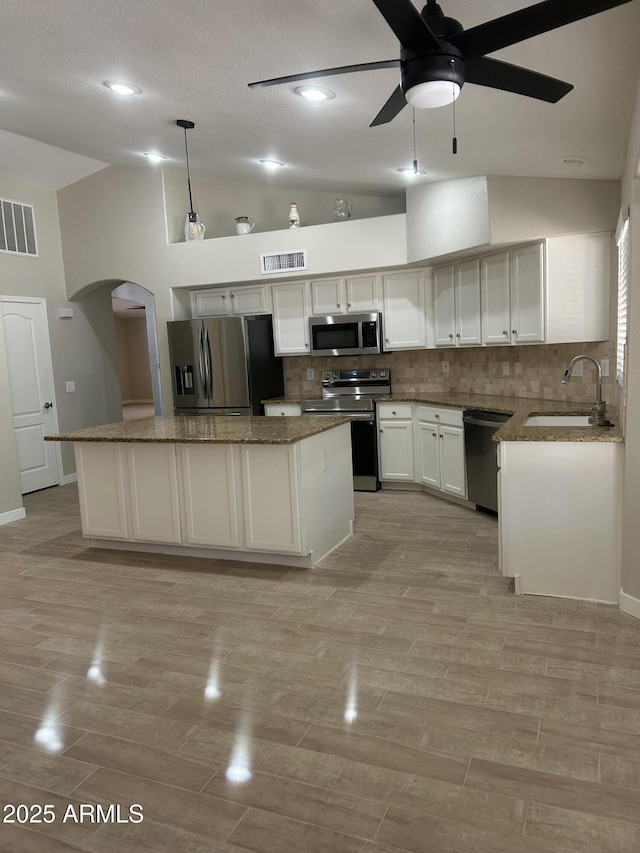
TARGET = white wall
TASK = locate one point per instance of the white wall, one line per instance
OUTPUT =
(82, 348)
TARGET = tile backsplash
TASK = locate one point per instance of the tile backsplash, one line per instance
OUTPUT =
(535, 371)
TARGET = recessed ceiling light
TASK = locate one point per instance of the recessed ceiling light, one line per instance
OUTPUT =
(573, 160)
(272, 164)
(121, 88)
(410, 172)
(155, 158)
(315, 93)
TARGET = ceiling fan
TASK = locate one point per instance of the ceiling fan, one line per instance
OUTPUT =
(438, 55)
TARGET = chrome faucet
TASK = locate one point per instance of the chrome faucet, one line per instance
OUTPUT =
(598, 415)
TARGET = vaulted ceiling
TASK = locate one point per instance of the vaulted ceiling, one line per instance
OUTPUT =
(194, 60)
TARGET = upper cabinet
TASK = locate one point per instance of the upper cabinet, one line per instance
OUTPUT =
(222, 301)
(495, 298)
(291, 304)
(348, 295)
(403, 321)
(527, 294)
(456, 304)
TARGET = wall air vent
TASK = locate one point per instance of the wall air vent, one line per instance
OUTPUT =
(17, 228)
(283, 261)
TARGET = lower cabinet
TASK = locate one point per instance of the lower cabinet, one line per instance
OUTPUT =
(395, 424)
(209, 495)
(423, 444)
(440, 461)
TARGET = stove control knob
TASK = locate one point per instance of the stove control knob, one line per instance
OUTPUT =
(383, 374)
(326, 376)
(334, 375)
(374, 375)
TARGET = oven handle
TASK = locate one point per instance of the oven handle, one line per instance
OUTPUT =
(356, 416)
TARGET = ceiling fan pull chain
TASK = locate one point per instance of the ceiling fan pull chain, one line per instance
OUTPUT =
(454, 141)
(415, 156)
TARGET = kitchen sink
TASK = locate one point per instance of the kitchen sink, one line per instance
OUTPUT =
(557, 421)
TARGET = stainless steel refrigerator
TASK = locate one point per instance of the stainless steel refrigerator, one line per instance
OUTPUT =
(224, 366)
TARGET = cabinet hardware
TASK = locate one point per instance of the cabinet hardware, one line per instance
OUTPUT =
(348, 305)
(437, 415)
(338, 305)
(513, 332)
(450, 337)
(393, 413)
(505, 333)
(458, 335)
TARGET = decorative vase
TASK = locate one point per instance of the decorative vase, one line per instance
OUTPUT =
(294, 216)
(342, 210)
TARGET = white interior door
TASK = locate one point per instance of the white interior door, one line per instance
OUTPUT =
(26, 336)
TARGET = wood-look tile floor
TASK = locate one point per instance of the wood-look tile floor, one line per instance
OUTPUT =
(398, 697)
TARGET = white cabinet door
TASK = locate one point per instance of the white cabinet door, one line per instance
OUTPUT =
(102, 486)
(251, 300)
(396, 450)
(495, 297)
(153, 491)
(427, 454)
(326, 296)
(362, 293)
(452, 465)
(404, 311)
(291, 318)
(271, 498)
(527, 294)
(467, 302)
(444, 314)
(208, 495)
(211, 303)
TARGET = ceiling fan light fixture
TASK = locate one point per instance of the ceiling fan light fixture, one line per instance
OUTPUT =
(432, 93)
(314, 93)
(122, 88)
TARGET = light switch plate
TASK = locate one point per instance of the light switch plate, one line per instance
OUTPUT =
(604, 363)
(445, 366)
(311, 373)
(70, 385)
(505, 368)
(578, 370)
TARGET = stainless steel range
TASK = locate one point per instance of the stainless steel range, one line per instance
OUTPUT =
(354, 393)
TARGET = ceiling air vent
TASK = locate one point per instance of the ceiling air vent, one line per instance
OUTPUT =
(17, 228)
(283, 261)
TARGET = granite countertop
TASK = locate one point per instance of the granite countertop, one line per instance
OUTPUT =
(207, 429)
(520, 407)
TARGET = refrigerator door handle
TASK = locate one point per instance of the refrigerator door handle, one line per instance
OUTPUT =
(201, 363)
(207, 360)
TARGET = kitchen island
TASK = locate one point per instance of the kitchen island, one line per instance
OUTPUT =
(255, 489)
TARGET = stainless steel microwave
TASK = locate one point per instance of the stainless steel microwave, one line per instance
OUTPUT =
(346, 334)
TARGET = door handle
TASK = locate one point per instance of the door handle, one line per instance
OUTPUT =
(48, 405)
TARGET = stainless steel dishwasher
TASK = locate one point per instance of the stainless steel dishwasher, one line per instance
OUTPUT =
(481, 456)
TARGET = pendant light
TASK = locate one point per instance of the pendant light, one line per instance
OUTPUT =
(193, 228)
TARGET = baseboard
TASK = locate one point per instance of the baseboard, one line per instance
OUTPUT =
(136, 402)
(12, 515)
(69, 478)
(629, 604)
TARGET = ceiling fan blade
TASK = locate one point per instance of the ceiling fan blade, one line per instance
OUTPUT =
(396, 102)
(512, 78)
(526, 23)
(410, 28)
(327, 72)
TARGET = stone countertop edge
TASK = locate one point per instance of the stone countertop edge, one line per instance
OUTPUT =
(520, 408)
(206, 429)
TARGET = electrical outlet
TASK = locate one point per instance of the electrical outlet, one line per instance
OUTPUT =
(311, 374)
(445, 366)
(604, 363)
(505, 368)
(70, 385)
(578, 370)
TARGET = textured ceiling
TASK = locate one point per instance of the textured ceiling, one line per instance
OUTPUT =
(193, 60)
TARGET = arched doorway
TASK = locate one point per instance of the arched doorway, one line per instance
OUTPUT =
(137, 347)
